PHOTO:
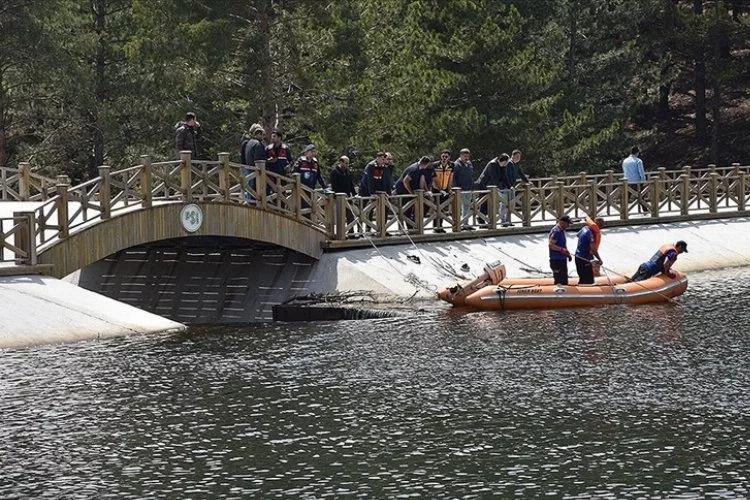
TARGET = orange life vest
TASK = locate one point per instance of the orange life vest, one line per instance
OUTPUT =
(597, 232)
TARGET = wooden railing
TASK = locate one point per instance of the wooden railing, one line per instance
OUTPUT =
(17, 239)
(680, 193)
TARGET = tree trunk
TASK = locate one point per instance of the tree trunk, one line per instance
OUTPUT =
(701, 124)
(572, 42)
(3, 126)
(268, 69)
(100, 89)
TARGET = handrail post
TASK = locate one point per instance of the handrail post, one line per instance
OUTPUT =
(456, 208)
(559, 200)
(419, 211)
(297, 196)
(653, 190)
(224, 177)
(526, 205)
(261, 181)
(624, 202)
(381, 214)
(105, 192)
(24, 181)
(713, 181)
(593, 199)
(146, 194)
(741, 185)
(186, 182)
(684, 193)
(25, 237)
(493, 203)
(63, 183)
(609, 182)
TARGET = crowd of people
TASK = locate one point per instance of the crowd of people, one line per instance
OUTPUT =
(436, 179)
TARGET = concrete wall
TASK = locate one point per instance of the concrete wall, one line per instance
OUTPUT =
(711, 244)
(41, 309)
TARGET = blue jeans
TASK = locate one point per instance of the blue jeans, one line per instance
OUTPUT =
(509, 195)
(466, 197)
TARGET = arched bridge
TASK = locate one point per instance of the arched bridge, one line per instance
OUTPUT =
(70, 227)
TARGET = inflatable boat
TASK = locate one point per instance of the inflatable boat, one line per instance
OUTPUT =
(507, 295)
(494, 274)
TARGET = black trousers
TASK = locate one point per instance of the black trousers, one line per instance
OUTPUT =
(585, 272)
(643, 273)
(559, 271)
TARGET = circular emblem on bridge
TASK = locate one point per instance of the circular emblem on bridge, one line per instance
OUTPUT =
(191, 217)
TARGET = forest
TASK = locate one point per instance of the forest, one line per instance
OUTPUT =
(572, 83)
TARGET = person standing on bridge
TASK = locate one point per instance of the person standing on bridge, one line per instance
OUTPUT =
(634, 173)
(661, 262)
(186, 135)
(252, 150)
(558, 251)
(513, 172)
(309, 168)
(278, 155)
(442, 184)
(463, 178)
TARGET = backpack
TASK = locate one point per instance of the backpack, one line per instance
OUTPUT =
(243, 158)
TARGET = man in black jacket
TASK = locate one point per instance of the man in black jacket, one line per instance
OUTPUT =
(186, 135)
(343, 182)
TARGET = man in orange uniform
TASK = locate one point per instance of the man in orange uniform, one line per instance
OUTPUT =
(442, 184)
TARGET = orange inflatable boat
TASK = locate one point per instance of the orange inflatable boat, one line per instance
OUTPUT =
(494, 274)
(507, 295)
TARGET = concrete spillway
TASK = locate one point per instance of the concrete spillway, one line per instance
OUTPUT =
(40, 309)
(205, 282)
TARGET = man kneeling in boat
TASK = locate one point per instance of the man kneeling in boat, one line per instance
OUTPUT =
(661, 262)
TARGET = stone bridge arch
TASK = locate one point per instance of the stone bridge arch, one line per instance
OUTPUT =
(162, 222)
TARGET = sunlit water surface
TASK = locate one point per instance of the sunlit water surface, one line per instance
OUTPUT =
(618, 402)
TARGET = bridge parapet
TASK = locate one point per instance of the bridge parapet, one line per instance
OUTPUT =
(681, 194)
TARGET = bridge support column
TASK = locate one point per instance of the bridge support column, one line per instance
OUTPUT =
(741, 186)
(338, 203)
(186, 182)
(297, 196)
(593, 199)
(713, 184)
(105, 194)
(381, 214)
(146, 194)
(25, 238)
(526, 202)
(654, 192)
(63, 183)
(419, 211)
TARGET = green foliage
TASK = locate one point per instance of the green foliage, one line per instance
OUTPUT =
(573, 83)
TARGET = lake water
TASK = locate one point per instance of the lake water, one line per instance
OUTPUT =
(620, 402)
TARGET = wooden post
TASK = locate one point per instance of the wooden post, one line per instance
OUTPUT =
(261, 181)
(340, 201)
(105, 192)
(186, 181)
(593, 199)
(741, 186)
(226, 192)
(24, 181)
(624, 200)
(684, 193)
(330, 215)
(493, 204)
(63, 183)
(610, 183)
(712, 167)
(526, 202)
(559, 199)
(381, 214)
(25, 237)
(456, 208)
(314, 204)
(147, 196)
(654, 194)
(419, 211)
(713, 183)
(297, 196)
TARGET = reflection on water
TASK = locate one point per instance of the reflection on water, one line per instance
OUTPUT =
(618, 401)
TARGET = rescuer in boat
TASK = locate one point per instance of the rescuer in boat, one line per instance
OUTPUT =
(589, 238)
(661, 262)
(558, 251)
